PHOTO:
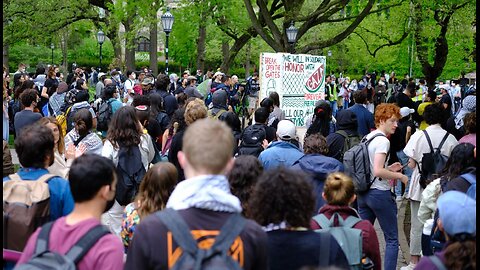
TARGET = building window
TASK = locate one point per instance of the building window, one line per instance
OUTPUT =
(143, 44)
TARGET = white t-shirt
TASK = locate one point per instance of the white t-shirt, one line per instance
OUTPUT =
(129, 89)
(378, 145)
(417, 146)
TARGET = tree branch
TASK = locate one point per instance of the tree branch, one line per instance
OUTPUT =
(371, 12)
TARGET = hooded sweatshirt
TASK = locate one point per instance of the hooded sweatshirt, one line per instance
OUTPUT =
(346, 121)
(318, 166)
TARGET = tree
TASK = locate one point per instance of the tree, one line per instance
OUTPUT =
(426, 31)
(300, 11)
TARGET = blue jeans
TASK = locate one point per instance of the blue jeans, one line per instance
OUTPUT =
(381, 204)
(407, 171)
(333, 104)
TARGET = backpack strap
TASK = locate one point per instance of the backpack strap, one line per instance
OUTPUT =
(43, 238)
(229, 232)
(443, 141)
(323, 221)
(85, 243)
(437, 262)
(428, 140)
(43, 178)
(343, 133)
(180, 230)
(469, 177)
(350, 221)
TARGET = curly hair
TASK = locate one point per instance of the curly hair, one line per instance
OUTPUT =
(461, 255)
(52, 120)
(470, 123)
(338, 189)
(243, 177)
(315, 144)
(386, 110)
(124, 128)
(156, 187)
(282, 195)
(195, 110)
(434, 113)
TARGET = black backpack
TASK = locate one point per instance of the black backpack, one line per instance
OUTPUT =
(433, 162)
(44, 259)
(195, 258)
(252, 139)
(130, 171)
(104, 115)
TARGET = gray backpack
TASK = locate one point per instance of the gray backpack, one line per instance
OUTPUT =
(44, 259)
(357, 164)
(195, 258)
(349, 238)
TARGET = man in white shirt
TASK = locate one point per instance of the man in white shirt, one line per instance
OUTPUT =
(128, 87)
(415, 148)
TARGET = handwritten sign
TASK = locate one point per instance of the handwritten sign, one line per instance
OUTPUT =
(299, 80)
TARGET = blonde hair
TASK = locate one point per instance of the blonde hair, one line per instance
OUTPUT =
(338, 189)
(195, 110)
(208, 145)
(61, 142)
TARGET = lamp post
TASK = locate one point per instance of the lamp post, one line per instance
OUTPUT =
(100, 40)
(167, 23)
(292, 36)
(52, 47)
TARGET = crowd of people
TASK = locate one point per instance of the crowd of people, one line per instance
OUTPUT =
(162, 172)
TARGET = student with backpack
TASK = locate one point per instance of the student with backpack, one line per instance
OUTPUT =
(457, 221)
(78, 239)
(346, 135)
(460, 162)
(131, 151)
(364, 116)
(110, 104)
(201, 213)
(357, 237)
(428, 152)
(32, 194)
(282, 202)
(80, 102)
(317, 164)
(374, 197)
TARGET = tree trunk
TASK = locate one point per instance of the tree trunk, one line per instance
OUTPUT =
(153, 48)
(233, 51)
(129, 44)
(201, 40)
(5, 56)
(247, 60)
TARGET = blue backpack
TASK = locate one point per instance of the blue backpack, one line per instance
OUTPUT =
(472, 190)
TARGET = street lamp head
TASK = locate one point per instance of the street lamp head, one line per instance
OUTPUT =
(100, 37)
(329, 53)
(291, 33)
(52, 46)
(167, 21)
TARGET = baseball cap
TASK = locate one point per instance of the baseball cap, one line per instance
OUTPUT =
(190, 78)
(101, 74)
(286, 130)
(406, 111)
(217, 73)
(457, 212)
(147, 81)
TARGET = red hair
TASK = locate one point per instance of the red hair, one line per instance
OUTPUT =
(385, 111)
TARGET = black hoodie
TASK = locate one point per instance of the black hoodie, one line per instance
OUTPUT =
(346, 121)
